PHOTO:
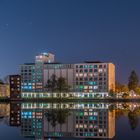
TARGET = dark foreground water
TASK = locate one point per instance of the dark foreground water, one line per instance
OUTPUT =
(52, 121)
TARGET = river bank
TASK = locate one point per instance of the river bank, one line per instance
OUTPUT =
(69, 100)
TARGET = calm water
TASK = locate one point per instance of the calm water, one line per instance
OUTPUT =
(52, 121)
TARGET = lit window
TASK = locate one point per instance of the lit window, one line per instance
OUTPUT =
(85, 87)
(85, 66)
(76, 74)
(90, 87)
(85, 74)
(91, 74)
(100, 70)
(95, 87)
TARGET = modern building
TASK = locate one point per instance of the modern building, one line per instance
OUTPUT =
(89, 77)
(15, 87)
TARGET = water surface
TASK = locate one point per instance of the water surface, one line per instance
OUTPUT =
(74, 120)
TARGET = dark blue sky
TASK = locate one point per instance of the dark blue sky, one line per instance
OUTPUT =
(74, 30)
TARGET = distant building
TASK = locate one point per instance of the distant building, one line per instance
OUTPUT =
(4, 111)
(89, 77)
(4, 90)
(15, 87)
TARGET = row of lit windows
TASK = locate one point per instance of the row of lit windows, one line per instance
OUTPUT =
(29, 84)
(90, 79)
(90, 70)
(13, 89)
(90, 134)
(32, 80)
(90, 83)
(27, 67)
(15, 79)
(90, 74)
(59, 66)
(91, 66)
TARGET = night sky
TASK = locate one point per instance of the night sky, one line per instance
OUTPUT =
(74, 30)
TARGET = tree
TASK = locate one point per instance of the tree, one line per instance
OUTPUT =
(118, 87)
(59, 85)
(137, 90)
(133, 81)
(111, 93)
(62, 115)
(58, 116)
(121, 88)
(125, 88)
(62, 86)
(52, 84)
(125, 95)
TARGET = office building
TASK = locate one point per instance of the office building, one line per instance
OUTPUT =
(88, 78)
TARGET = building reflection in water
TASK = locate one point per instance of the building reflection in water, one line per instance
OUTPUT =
(42, 121)
(56, 120)
(15, 114)
(4, 113)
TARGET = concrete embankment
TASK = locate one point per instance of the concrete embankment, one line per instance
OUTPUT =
(69, 100)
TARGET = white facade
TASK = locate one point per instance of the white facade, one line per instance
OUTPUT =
(60, 70)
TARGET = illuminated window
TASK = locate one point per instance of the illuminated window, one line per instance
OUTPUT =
(76, 74)
(90, 66)
(90, 83)
(91, 74)
(81, 74)
(95, 87)
(85, 87)
(85, 66)
(90, 87)
(85, 74)
(100, 70)
(81, 87)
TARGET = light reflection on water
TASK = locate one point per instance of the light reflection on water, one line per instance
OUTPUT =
(72, 120)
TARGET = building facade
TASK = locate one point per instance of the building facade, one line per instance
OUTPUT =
(87, 77)
(15, 87)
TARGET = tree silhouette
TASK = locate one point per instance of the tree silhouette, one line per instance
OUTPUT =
(52, 84)
(133, 81)
(62, 86)
(133, 119)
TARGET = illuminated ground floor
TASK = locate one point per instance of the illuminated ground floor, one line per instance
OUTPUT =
(73, 95)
